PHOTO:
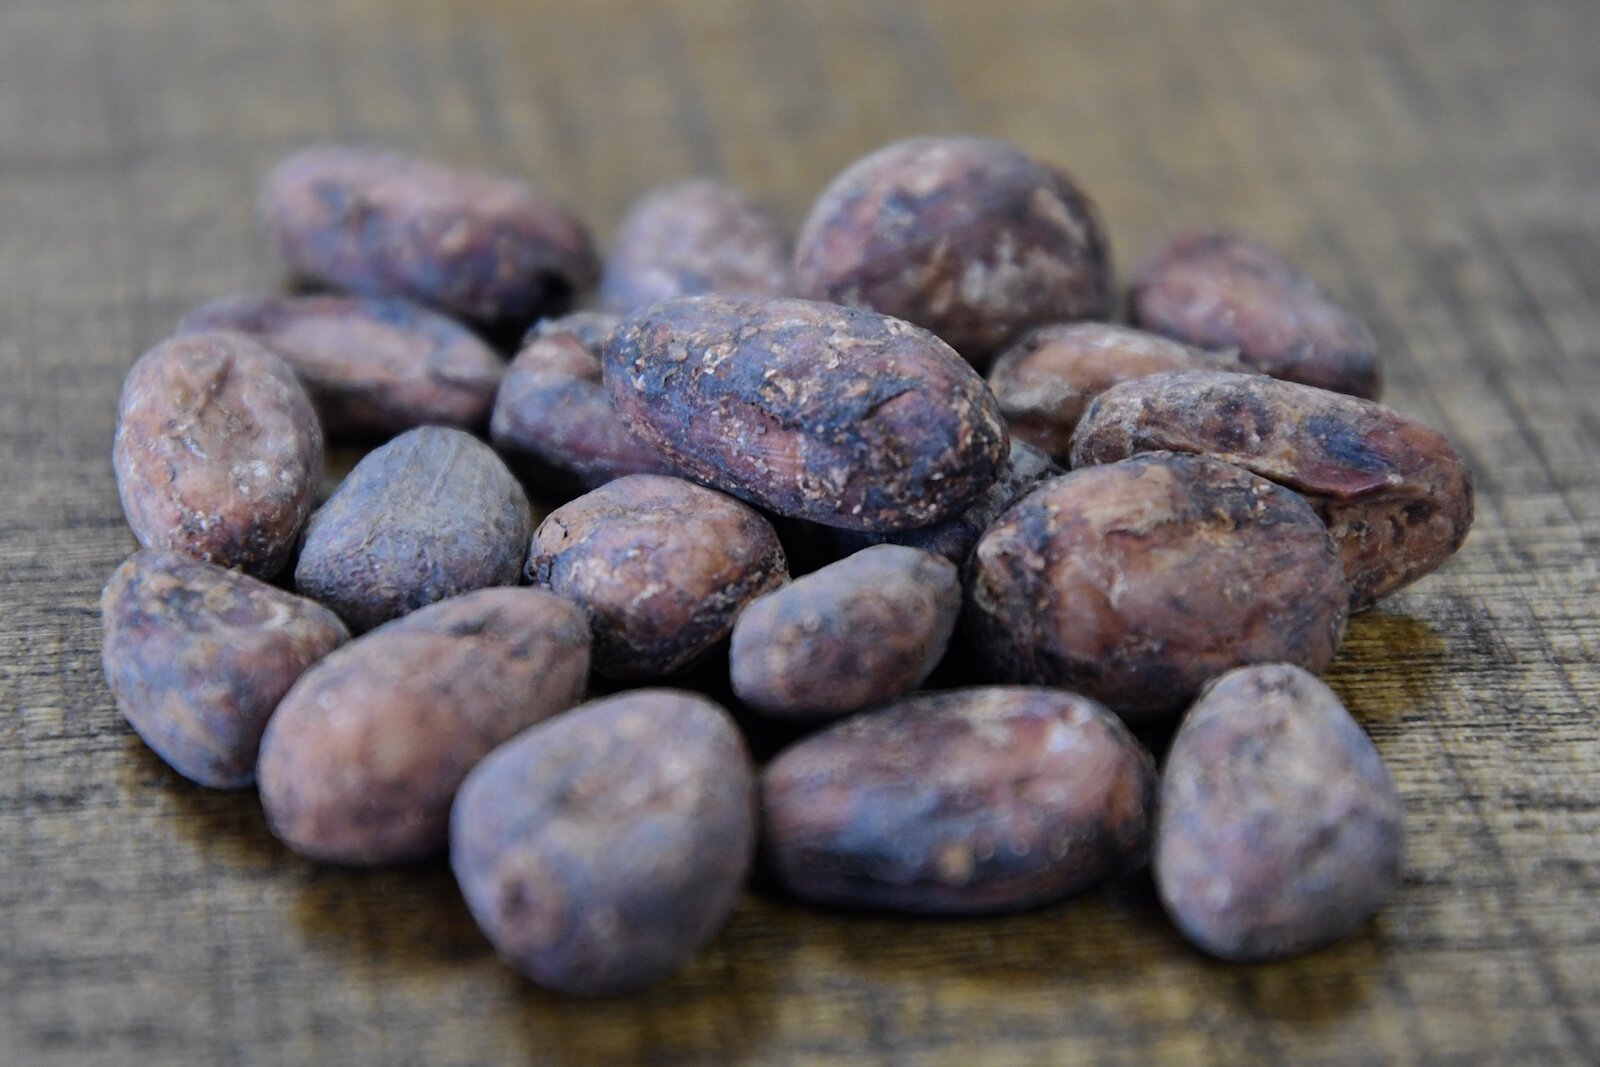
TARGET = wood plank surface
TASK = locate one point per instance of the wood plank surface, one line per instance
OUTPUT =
(1435, 163)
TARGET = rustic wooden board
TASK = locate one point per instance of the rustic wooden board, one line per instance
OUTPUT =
(1435, 162)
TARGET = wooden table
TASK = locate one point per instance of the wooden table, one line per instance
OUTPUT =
(1436, 163)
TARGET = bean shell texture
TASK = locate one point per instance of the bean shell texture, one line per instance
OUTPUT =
(955, 537)
(481, 247)
(1280, 829)
(361, 760)
(600, 851)
(962, 802)
(198, 656)
(1137, 582)
(862, 631)
(217, 452)
(661, 565)
(1046, 380)
(432, 514)
(373, 367)
(691, 238)
(1395, 494)
(840, 416)
(1221, 290)
(552, 418)
(968, 237)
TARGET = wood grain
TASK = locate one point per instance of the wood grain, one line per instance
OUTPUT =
(1436, 163)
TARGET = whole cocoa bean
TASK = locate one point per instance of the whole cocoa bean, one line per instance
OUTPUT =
(840, 416)
(1280, 829)
(600, 851)
(661, 565)
(197, 656)
(217, 452)
(552, 418)
(692, 238)
(373, 367)
(432, 514)
(1220, 290)
(859, 632)
(954, 537)
(362, 758)
(1395, 495)
(969, 801)
(1137, 582)
(479, 246)
(1045, 381)
(965, 236)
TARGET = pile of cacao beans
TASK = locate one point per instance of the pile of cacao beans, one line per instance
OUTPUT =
(779, 497)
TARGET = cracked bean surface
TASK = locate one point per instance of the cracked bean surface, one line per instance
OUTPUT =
(837, 415)
(217, 452)
(1137, 582)
(432, 514)
(662, 566)
(1395, 494)
(963, 802)
(198, 656)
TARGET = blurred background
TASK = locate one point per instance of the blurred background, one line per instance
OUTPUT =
(1434, 164)
(1313, 124)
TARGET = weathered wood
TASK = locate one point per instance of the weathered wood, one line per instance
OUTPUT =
(1435, 164)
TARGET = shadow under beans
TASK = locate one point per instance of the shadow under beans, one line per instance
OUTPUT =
(406, 916)
(410, 914)
(228, 824)
(1315, 989)
(408, 923)
(1104, 930)
(1110, 943)
(718, 1008)
(1387, 663)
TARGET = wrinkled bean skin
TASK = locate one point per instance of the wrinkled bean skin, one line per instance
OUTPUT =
(661, 565)
(552, 418)
(840, 416)
(969, 801)
(373, 367)
(477, 246)
(197, 657)
(1395, 494)
(689, 239)
(1045, 381)
(361, 760)
(432, 514)
(217, 452)
(1220, 290)
(954, 537)
(968, 237)
(600, 851)
(1137, 582)
(1280, 829)
(862, 631)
